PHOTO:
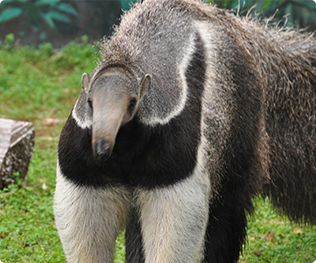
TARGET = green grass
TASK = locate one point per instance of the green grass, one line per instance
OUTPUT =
(273, 238)
(27, 226)
(41, 86)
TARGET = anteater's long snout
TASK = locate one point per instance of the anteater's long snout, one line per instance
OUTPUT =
(108, 117)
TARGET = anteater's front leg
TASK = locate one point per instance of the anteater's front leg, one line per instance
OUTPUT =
(173, 221)
(89, 219)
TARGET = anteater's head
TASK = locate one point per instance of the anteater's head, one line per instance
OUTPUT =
(113, 96)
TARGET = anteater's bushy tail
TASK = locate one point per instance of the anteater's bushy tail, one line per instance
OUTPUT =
(291, 124)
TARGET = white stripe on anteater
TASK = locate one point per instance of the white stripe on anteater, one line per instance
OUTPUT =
(182, 67)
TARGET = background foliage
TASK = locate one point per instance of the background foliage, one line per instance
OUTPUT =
(37, 14)
(60, 21)
(47, 10)
(297, 13)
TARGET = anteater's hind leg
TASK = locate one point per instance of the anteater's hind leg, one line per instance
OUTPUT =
(133, 239)
(226, 231)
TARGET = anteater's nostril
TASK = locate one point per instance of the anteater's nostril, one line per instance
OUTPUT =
(102, 149)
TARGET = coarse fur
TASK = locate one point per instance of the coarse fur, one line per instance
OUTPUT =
(191, 112)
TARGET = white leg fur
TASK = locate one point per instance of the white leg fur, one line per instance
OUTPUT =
(89, 220)
(174, 219)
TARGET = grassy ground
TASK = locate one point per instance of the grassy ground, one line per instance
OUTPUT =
(41, 86)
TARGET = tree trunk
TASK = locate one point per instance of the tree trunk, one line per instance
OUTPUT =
(16, 145)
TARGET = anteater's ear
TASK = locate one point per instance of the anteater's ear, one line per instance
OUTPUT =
(145, 85)
(85, 79)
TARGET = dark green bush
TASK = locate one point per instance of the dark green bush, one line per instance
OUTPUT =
(297, 13)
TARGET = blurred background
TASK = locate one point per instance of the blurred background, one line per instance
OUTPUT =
(33, 22)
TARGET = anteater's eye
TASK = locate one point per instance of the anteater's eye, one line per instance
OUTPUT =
(90, 102)
(132, 104)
